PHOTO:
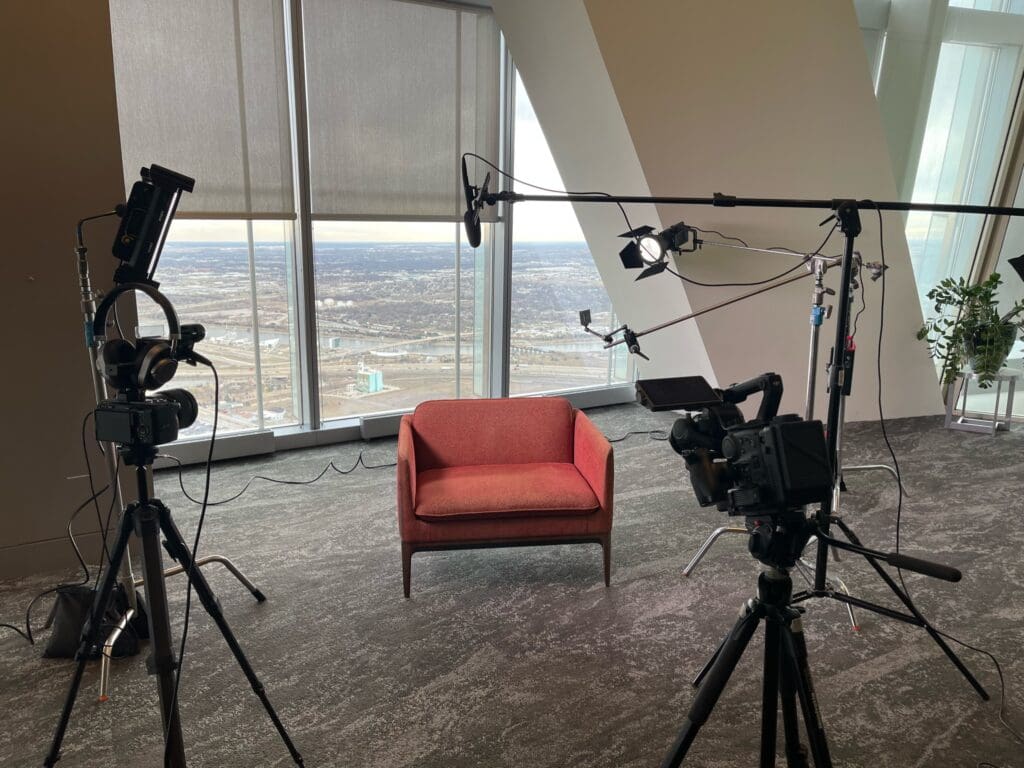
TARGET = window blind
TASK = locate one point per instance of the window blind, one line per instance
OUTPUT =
(396, 91)
(202, 88)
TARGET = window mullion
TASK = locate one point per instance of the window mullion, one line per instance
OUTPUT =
(305, 287)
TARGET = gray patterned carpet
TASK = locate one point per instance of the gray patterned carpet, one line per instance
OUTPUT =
(521, 657)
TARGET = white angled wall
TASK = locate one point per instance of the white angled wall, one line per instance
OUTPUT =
(560, 63)
(688, 98)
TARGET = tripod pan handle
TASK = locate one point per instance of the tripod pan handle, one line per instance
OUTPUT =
(928, 568)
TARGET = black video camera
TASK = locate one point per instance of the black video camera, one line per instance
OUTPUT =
(766, 469)
(155, 420)
(767, 466)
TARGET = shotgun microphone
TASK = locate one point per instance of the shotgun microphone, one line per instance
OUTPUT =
(474, 202)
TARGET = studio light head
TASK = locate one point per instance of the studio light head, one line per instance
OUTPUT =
(649, 250)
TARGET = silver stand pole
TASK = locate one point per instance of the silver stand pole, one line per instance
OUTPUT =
(818, 315)
(99, 390)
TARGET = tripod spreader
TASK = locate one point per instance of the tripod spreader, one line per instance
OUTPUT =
(896, 560)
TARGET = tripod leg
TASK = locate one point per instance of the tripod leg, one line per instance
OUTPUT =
(796, 753)
(770, 692)
(180, 552)
(163, 663)
(717, 677)
(90, 634)
(708, 664)
(905, 599)
(795, 654)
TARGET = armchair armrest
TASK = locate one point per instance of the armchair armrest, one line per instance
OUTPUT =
(593, 457)
(406, 469)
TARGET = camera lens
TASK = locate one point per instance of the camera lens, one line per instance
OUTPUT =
(188, 408)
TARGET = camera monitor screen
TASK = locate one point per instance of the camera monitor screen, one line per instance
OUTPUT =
(678, 393)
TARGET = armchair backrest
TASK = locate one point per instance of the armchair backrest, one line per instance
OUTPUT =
(528, 430)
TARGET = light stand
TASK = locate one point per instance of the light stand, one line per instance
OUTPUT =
(88, 299)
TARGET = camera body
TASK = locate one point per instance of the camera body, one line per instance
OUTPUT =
(151, 421)
(776, 466)
(766, 466)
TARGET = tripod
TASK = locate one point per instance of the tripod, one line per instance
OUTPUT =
(786, 674)
(148, 518)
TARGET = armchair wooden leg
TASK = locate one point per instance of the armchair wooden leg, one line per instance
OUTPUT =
(407, 551)
(606, 547)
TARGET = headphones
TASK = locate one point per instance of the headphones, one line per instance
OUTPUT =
(146, 363)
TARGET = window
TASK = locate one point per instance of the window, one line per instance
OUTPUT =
(322, 247)
(396, 307)
(236, 278)
(955, 146)
(553, 277)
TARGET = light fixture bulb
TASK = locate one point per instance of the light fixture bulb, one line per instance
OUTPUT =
(652, 249)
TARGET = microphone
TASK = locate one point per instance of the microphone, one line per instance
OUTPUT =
(471, 218)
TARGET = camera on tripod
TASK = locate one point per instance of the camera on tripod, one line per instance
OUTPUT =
(766, 469)
(153, 421)
(768, 465)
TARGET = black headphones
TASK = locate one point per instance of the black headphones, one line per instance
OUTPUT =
(145, 364)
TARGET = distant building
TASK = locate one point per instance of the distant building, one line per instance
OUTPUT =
(369, 380)
(334, 342)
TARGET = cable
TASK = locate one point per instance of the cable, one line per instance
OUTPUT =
(806, 258)
(1002, 683)
(878, 375)
(863, 306)
(330, 465)
(629, 227)
(92, 486)
(739, 240)
(27, 633)
(105, 525)
(654, 434)
(899, 482)
(195, 552)
(735, 285)
(489, 164)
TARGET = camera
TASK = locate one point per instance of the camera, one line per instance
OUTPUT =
(152, 421)
(766, 469)
(767, 466)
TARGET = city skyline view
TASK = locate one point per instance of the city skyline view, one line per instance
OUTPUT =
(388, 325)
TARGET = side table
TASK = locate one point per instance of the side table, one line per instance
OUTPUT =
(956, 418)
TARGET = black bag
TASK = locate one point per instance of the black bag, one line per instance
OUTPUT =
(70, 613)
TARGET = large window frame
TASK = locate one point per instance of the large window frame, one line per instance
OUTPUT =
(312, 428)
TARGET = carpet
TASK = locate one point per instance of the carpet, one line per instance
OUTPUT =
(521, 657)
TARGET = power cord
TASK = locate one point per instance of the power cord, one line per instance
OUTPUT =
(654, 434)
(27, 632)
(807, 257)
(104, 527)
(899, 482)
(195, 554)
(360, 461)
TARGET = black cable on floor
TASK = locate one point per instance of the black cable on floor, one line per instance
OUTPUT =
(360, 461)
(27, 633)
(654, 434)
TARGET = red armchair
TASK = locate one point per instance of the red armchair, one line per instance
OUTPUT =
(502, 473)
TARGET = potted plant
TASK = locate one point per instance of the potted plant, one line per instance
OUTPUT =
(968, 330)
